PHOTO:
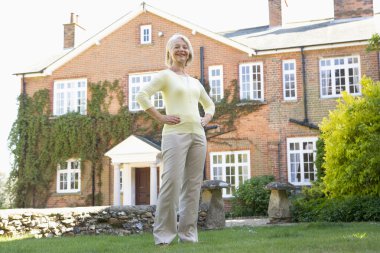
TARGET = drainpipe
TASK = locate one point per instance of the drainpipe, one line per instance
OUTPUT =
(378, 64)
(201, 55)
(305, 121)
(24, 148)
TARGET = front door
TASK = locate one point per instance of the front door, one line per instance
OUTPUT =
(142, 186)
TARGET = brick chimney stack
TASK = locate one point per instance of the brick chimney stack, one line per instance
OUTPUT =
(352, 8)
(275, 14)
(71, 32)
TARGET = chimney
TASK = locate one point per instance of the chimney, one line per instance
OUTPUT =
(275, 15)
(71, 32)
(352, 8)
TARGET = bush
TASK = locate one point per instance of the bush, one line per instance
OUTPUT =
(351, 136)
(348, 209)
(251, 198)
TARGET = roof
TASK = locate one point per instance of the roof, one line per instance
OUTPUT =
(134, 149)
(96, 39)
(257, 40)
(307, 34)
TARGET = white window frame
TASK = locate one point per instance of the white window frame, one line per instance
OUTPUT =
(136, 82)
(222, 166)
(216, 82)
(70, 95)
(146, 34)
(289, 79)
(251, 89)
(328, 78)
(295, 159)
(68, 174)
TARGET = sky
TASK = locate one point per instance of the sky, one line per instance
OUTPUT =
(32, 30)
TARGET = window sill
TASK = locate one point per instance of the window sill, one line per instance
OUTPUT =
(57, 194)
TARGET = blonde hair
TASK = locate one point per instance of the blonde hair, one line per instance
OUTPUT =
(170, 46)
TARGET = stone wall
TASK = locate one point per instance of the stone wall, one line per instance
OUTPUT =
(54, 222)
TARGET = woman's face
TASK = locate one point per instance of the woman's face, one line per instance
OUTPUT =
(180, 52)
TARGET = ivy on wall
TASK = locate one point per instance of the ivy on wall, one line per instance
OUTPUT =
(40, 142)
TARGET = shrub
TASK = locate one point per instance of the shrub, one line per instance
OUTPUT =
(251, 198)
(351, 136)
(348, 209)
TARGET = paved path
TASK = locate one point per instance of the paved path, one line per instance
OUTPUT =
(247, 222)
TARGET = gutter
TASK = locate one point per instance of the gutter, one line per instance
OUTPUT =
(300, 48)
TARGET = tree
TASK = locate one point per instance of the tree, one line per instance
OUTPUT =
(351, 135)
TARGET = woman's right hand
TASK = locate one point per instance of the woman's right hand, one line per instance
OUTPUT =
(170, 119)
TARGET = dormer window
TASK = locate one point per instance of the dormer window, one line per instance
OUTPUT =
(146, 34)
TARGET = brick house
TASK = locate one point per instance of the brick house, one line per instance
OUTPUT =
(291, 73)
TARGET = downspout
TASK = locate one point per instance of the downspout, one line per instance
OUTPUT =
(306, 119)
(201, 56)
(378, 64)
(202, 80)
(24, 148)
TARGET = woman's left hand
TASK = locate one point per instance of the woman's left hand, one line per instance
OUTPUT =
(206, 119)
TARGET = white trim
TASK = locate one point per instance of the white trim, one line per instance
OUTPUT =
(116, 184)
(68, 171)
(345, 66)
(144, 28)
(222, 165)
(219, 78)
(289, 72)
(63, 93)
(300, 159)
(251, 84)
(133, 84)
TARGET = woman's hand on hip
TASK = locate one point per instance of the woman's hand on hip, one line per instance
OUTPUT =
(206, 119)
(170, 119)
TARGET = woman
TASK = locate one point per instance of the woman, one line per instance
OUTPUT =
(183, 143)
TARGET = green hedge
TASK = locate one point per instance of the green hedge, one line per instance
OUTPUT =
(348, 209)
(251, 198)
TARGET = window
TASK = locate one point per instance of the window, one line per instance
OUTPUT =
(70, 96)
(215, 75)
(136, 82)
(289, 79)
(231, 167)
(301, 157)
(146, 34)
(338, 75)
(251, 81)
(68, 176)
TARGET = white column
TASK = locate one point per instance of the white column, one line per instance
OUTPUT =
(127, 190)
(153, 184)
(116, 184)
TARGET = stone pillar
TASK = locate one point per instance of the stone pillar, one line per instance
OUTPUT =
(116, 184)
(127, 186)
(212, 200)
(279, 205)
(153, 184)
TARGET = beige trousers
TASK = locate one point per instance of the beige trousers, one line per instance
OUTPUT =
(183, 157)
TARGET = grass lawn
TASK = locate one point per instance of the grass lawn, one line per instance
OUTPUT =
(306, 237)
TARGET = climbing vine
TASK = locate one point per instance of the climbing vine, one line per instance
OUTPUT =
(231, 107)
(39, 142)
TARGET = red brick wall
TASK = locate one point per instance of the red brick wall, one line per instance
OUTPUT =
(264, 131)
(275, 15)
